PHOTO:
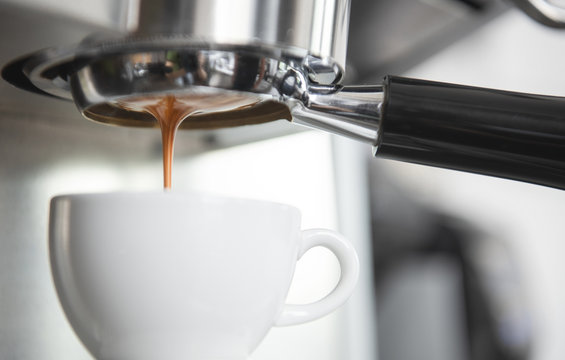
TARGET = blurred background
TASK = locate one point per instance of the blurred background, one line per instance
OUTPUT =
(454, 265)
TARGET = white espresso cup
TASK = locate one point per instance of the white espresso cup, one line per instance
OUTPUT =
(183, 276)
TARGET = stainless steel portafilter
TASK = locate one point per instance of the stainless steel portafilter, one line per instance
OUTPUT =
(270, 60)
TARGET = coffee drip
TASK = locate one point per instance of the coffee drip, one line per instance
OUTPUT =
(171, 110)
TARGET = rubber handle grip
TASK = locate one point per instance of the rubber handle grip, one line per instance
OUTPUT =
(505, 134)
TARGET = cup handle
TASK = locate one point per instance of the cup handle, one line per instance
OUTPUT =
(349, 263)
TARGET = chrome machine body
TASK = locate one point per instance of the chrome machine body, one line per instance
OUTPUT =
(282, 56)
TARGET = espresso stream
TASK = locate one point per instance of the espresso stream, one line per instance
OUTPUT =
(171, 110)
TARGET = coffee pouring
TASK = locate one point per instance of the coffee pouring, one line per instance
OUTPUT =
(315, 82)
(285, 60)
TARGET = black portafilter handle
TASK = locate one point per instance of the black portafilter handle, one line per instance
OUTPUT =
(499, 133)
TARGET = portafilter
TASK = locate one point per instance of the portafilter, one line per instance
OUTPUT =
(286, 60)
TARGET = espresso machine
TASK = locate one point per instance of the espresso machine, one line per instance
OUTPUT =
(287, 58)
(287, 61)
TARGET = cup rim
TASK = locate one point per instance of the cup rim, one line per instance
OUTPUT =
(200, 195)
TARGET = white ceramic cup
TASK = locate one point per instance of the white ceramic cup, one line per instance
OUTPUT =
(182, 276)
